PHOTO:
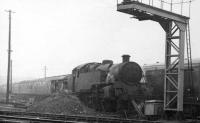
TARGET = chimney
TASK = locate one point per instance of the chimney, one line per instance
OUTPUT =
(125, 58)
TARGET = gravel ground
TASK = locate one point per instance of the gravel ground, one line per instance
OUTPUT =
(59, 103)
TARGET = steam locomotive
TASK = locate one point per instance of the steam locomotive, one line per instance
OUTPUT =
(109, 87)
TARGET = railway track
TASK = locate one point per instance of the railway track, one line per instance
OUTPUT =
(19, 119)
(37, 117)
(23, 117)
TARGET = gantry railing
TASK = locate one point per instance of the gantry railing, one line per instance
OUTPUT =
(181, 7)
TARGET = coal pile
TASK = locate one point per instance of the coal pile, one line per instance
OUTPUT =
(60, 103)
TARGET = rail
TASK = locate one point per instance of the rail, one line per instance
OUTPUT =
(66, 118)
(36, 119)
(17, 117)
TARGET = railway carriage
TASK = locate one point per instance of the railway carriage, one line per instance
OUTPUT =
(43, 86)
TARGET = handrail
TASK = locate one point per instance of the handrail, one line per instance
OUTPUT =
(181, 7)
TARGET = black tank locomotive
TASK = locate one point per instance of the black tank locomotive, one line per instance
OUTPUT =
(107, 86)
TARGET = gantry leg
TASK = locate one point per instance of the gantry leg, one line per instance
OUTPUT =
(174, 65)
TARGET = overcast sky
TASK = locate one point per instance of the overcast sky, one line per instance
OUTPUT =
(62, 34)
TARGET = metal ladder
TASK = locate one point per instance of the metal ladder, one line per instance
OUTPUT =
(189, 57)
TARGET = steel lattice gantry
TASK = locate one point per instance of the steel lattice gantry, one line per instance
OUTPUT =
(175, 26)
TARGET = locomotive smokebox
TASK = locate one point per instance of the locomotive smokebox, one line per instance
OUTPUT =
(125, 58)
(128, 72)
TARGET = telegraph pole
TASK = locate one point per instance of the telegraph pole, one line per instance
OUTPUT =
(45, 72)
(9, 55)
(11, 76)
